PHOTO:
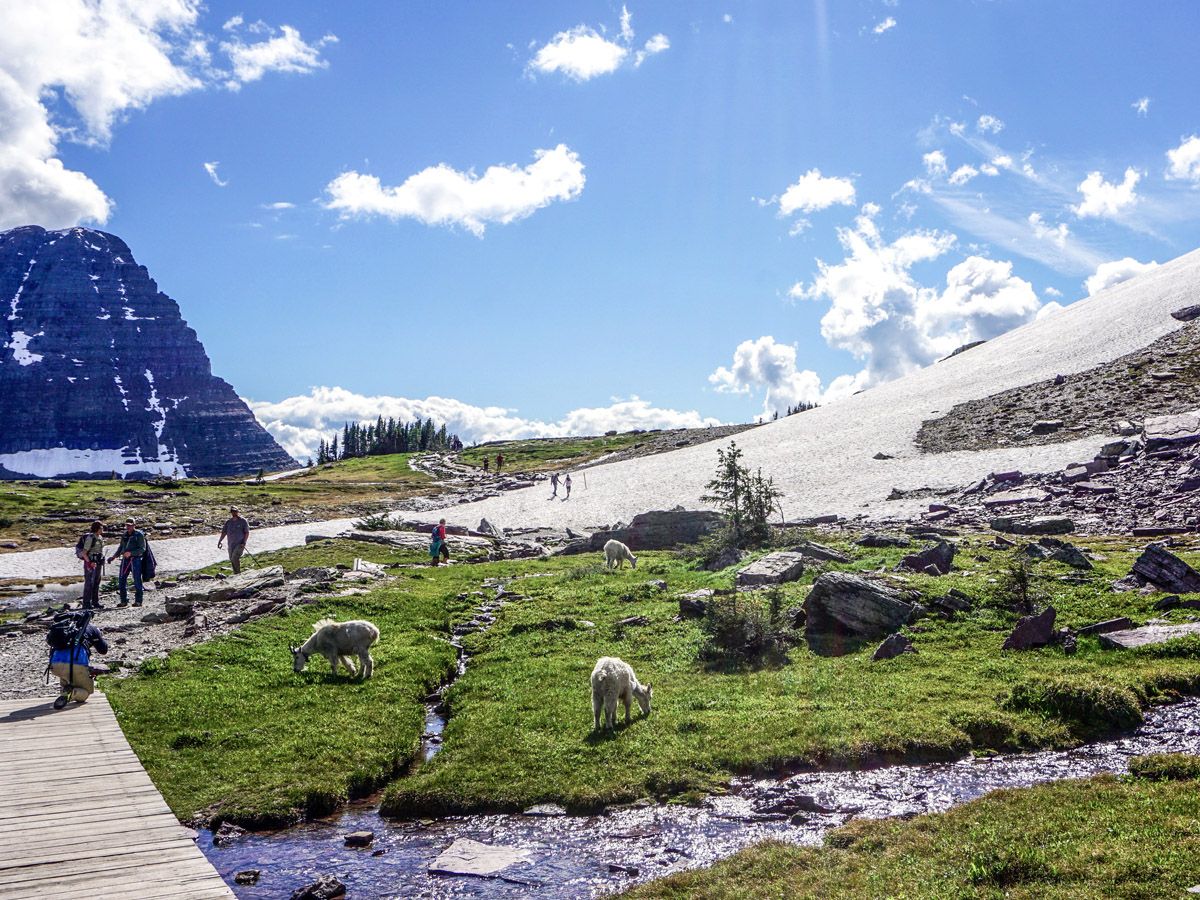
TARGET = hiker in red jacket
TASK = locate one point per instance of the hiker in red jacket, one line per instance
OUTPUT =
(438, 548)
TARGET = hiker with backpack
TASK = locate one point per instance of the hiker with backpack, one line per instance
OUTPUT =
(72, 637)
(438, 548)
(237, 531)
(554, 485)
(132, 549)
(89, 549)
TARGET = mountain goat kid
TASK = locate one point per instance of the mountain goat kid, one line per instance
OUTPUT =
(613, 680)
(337, 642)
(615, 554)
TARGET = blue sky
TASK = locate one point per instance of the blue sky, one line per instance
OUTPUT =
(718, 208)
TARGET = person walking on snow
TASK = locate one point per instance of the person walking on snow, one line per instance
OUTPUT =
(237, 531)
(567, 485)
(131, 550)
(438, 549)
(554, 484)
(91, 552)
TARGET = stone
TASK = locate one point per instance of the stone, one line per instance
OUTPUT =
(621, 869)
(1121, 624)
(1032, 631)
(841, 603)
(774, 568)
(1163, 432)
(656, 584)
(1186, 314)
(1146, 635)
(893, 645)
(545, 810)
(935, 560)
(247, 876)
(91, 315)
(359, 839)
(468, 857)
(1166, 571)
(486, 527)
(660, 529)
(235, 587)
(1166, 603)
(1035, 525)
(730, 556)
(955, 601)
(695, 604)
(157, 617)
(1049, 548)
(1012, 498)
(1047, 426)
(226, 833)
(327, 887)
(873, 539)
(629, 621)
(820, 552)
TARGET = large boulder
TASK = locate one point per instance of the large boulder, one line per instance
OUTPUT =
(842, 606)
(1163, 432)
(235, 587)
(774, 568)
(1032, 631)
(661, 529)
(1166, 571)
(935, 560)
(820, 552)
(1035, 525)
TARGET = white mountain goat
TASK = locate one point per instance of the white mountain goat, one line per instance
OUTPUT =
(613, 680)
(615, 554)
(337, 642)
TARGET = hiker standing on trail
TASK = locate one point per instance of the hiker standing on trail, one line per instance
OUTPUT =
(131, 550)
(485, 464)
(554, 484)
(237, 531)
(72, 637)
(90, 551)
(438, 548)
(567, 485)
(499, 462)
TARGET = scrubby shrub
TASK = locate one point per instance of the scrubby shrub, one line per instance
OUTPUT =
(1087, 707)
(581, 573)
(380, 521)
(1016, 589)
(1166, 767)
(745, 630)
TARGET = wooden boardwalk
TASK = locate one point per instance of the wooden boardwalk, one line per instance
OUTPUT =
(79, 816)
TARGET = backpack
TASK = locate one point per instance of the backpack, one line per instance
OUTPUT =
(149, 564)
(66, 630)
(79, 554)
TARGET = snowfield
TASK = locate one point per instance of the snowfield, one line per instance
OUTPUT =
(822, 459)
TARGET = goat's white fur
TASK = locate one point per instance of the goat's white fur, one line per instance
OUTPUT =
(615, 554)
(613, 680)
(337, 642)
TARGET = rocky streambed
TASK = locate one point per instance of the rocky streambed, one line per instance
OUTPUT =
(549, 853)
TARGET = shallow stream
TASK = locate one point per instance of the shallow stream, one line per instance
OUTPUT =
(583, 856)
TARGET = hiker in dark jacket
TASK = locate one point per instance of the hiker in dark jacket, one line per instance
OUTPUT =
(237, 531)
(131, 550)
(74, 676)
(91, 553)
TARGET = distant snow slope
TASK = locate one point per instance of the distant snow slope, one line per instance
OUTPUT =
(822, 459)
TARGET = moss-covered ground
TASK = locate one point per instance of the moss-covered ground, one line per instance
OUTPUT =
(227, 724)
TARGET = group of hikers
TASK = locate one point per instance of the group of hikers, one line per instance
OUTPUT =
(499, 463)
(72, 635)
(566, 483)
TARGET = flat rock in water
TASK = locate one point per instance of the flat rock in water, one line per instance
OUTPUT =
(327, 887)
(545, 809)
(468, 857)
(1147, 634)
(1163, 432)
(774, 568)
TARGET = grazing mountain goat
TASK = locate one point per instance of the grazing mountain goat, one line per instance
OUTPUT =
(615, 554)
(613, 680)
(337, 642)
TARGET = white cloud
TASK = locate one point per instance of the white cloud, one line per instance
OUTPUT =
(70, 70)
(1003, 161)
(815, 192)
(886, 25)
(211, 169)
(582, 53)
(727, 18)
(958, 129)
(963, 174)
(1057, 235)
(657, 44)
(1052, 292)
(300, 422)
(1111, 273)
(989, 124)
(441, 195)
(935, 162)
(1142, 106)
(286, 51)
(883, 316)
(1183, 162)
(279, 204)
(764, 363)
(1106, 199)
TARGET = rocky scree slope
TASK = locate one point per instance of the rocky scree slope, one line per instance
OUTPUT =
(99, 373)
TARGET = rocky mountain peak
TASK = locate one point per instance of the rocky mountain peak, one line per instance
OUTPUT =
(99, 372)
